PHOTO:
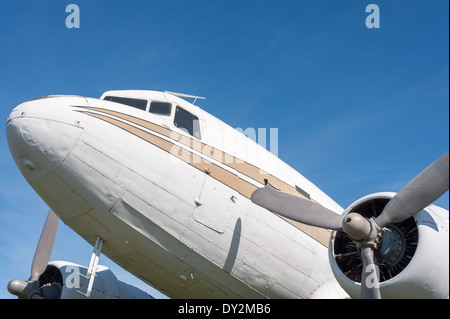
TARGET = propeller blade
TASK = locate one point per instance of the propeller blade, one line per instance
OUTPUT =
(45, 246)
(296, 208)
(423, 190)
(370, 277)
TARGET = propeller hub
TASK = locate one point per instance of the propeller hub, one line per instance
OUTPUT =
(17, 287)
(24, 289)
(356, 226)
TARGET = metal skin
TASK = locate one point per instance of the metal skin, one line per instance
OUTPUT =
(188, 228)
(186, 225)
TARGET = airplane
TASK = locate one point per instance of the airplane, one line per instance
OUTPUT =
(196, 209)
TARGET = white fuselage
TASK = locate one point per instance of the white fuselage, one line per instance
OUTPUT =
(172, 208)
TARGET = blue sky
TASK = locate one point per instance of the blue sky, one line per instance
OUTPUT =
(358, 110)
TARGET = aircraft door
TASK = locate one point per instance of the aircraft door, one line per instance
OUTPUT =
(214, 197)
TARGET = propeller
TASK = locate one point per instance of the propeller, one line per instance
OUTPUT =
(30, 289)
(424, 189)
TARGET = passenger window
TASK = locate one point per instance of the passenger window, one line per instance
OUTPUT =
(187, 122)
(137, 103)
(160, 108)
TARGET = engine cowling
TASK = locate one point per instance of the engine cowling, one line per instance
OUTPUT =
(62, 280)
(412, 256)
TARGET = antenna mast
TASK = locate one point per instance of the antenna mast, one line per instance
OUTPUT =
(186, 95)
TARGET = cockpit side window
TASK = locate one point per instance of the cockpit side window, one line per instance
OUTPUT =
(137, 103)
(160, 108)
(187, 122)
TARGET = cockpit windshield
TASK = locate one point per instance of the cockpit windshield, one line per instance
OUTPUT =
(160, 108)
(182, 119)
(137, 103)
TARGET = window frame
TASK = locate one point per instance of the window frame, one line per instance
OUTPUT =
(186, 130)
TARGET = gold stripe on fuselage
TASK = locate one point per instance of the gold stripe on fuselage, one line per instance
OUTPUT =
(239, 165)
(217, 172)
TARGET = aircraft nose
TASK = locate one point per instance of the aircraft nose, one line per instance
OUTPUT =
(42, 132)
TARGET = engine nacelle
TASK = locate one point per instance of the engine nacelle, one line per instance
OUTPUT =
(412, 259)
(62, 280)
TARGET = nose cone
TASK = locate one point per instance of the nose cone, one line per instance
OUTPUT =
(42, 132)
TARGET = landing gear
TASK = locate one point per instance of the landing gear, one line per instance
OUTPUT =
(92, 270)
